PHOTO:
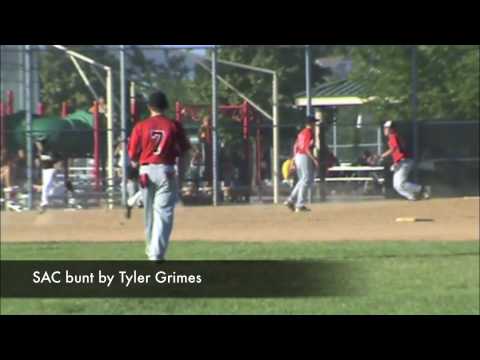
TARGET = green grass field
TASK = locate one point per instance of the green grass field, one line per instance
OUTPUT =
(403, 278)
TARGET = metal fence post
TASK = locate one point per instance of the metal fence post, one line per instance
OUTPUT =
(123, 116)
(28, 110)
(415, 107)
(215, 128)
(308, 78)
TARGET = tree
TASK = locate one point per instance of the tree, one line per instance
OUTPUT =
(289, 63)
(448, 80)
(170, 74)
(60, 81)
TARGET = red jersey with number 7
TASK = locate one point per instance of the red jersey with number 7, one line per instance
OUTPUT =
(157, 140)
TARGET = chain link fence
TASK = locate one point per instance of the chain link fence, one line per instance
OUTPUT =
(64, 94)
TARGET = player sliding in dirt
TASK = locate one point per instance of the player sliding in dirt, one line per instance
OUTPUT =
(402, 166)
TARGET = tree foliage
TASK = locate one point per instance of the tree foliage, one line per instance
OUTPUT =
(289, 63)
(447, 80)
(60, 81)
(170, 75)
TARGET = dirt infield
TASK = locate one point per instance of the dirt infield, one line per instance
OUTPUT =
(454, 219)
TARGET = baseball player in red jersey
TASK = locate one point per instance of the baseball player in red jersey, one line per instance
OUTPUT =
(305, 164)
(402, 166)
(155, 145)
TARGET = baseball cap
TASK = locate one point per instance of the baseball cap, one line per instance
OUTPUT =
(311, 120)
(388, 124)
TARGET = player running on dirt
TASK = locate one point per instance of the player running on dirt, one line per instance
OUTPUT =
(155, 145)
(50, 161)
(402, 166)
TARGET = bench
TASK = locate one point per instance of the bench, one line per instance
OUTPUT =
(347, 169)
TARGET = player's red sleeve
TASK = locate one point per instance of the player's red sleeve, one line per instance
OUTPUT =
(134, 145)
(393, 142)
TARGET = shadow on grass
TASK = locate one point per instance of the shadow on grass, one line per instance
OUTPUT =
(410, 256)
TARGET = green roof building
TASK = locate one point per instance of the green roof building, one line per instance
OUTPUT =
(336, 93)
(352, 128)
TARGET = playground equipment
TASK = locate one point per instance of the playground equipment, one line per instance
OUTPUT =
(78, 135)
(243, 113)
(274, 116)
(74, 56)
(29, 131)
(82, 135)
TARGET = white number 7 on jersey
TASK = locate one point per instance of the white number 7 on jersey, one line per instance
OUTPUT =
(158, 137)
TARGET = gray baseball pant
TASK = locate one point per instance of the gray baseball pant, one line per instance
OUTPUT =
(159, 197)
(306, 177)
(400, 180)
